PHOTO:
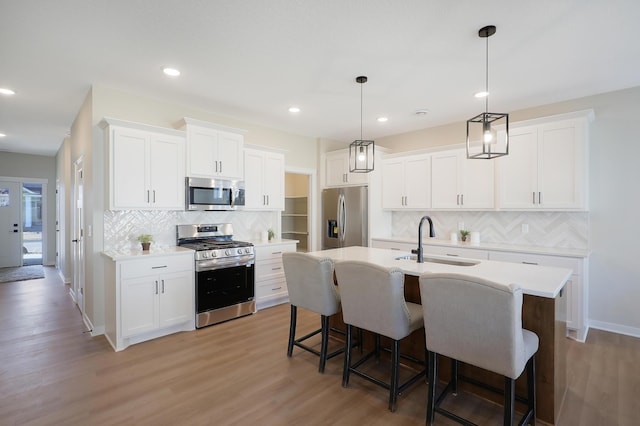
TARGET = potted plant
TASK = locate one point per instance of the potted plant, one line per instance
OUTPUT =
(271, 234)
(464, 234)
(145, 240)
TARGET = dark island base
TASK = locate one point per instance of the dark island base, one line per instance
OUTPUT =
(544, 316)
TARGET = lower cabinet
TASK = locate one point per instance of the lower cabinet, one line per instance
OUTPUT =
(148, 297)
(271, 286)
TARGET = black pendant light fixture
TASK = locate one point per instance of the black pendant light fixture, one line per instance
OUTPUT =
(483, 141)
(361, 152)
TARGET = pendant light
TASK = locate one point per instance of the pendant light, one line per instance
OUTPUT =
(483, 140)
(361, 152)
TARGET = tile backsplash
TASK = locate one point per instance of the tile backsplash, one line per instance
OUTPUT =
(546, 229)
(122, 227)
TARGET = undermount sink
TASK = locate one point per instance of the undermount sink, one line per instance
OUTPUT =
(439, 260)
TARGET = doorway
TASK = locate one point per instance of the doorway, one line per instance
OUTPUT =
(297, 217)
(32, 203)
(78, 234)
(10, 211)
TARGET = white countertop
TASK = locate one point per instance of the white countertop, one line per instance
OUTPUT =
(553, 251)
(533, 279)
(155, 251)
(274, 242)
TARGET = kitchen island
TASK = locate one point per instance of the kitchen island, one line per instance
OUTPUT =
(543, 312)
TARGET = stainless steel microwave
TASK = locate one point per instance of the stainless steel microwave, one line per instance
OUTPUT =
(213, 194)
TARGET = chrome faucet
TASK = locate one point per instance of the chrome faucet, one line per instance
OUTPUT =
(432, 234)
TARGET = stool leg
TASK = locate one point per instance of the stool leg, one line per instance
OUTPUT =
(509, 401)
(292, 329)
(395, 366)
(531, 388)
(454, 376)
(432, 362)
(377, 348)
(324, 343)
(347, 357)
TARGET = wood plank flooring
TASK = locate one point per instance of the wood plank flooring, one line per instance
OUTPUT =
(237, 373)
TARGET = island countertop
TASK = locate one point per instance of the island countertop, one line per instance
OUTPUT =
(534, 280)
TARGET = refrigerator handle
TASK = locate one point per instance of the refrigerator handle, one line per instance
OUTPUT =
(342, 218)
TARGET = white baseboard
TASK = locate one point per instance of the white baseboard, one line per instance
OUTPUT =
(615, 328)
(63, 278)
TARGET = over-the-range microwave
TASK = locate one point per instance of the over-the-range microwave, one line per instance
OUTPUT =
(213, 194)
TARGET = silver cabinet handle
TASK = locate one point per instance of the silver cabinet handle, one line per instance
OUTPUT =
(530, 263)
(276, 269)
(453, 255)
(147, 195)
(220, 166)
(462, 199)
(267, 200)
(156, 286)
(277, 288)
(158, 267)
(533, 200)
(539, 197)
(276, 252)
(162, 286)
(154, 196)
(457, 199)
(216, 165)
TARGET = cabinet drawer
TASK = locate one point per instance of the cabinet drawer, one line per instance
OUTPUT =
(156, 265)
(393, 245)
(539, 259)
(271, 287)
(268, 269)
(457, 252)
(273, 252)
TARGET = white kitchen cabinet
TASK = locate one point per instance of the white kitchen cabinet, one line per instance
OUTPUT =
(546, 168)
(337, 171)
(148, 297)
(406, 183)
(460, 183)
(456, 251)
(213, 151)
(264, 180)
(271, 285)
(145, 167)
(576, 287)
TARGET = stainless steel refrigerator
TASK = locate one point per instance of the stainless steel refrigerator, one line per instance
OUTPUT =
(345, 217)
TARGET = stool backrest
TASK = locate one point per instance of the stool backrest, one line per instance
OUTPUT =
(310, 283)
(373, 298)
(474, 321)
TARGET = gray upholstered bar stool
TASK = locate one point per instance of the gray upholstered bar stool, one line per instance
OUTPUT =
(310, 284)
(477, 322)
(373, 299)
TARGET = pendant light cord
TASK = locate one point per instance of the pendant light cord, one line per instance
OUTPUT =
(486, 73)
(361, 110)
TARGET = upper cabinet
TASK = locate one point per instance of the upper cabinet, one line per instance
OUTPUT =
(547, 165)
(264, 180)
(213, 151)
(145, 166)
(460, 183)
(406, 182)
(337, 171)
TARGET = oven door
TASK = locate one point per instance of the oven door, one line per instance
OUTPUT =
(224, 287)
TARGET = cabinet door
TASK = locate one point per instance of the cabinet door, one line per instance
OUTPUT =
(417, 182)
(273, 178)
(561, 165)
(167, 172)
(176, 301)
(128, 174)
(336, 169)
(445, 191)
(253, 171)
(478, 183)
(139, 305)
(202, 150)
(518, 170)
(393, 184)
(229, 155)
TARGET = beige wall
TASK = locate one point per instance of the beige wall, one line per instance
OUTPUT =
(26, 166)
(63, 178)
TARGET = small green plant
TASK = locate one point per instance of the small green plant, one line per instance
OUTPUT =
(271, 234)
(145, 238)
(464, 233)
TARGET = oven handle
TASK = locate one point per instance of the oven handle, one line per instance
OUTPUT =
(211, 265)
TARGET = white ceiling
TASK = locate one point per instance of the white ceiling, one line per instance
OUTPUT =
(252, 59)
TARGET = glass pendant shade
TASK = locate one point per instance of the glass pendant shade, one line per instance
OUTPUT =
(361, 152)
(488, 132)
(361, 155)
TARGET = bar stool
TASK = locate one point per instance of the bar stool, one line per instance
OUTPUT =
(373, 299)
(310, 284)
(477, 322)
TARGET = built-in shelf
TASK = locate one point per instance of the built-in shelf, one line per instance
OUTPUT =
(294, 220)
(295, 232)
(293, 215)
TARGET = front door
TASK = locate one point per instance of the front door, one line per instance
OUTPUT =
(10, 229)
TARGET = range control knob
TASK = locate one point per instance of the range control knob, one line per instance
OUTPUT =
(227, 252)
(214, 253)
(205, 254)
(247, 250)
(239, 251)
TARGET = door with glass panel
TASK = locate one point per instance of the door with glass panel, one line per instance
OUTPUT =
(10, 229)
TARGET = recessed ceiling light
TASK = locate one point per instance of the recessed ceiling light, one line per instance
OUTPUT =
(422, 112)
(6, 91)
(481, 94)
(382, 119)
(294, 109)
(171, 72)
(2, 135)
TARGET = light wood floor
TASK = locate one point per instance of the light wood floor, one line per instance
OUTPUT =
(237, 373)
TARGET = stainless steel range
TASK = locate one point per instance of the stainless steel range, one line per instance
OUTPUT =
(225, 272)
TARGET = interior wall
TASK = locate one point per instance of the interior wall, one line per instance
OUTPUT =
(29, 166)
(63, 176)
(614, 277)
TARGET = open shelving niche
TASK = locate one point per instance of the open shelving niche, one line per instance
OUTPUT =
(295, 220)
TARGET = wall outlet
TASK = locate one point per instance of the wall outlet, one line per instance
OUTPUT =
(525, 228)
(460, 226)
